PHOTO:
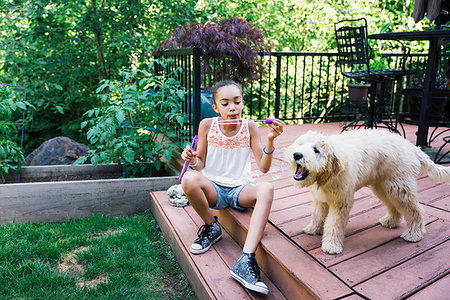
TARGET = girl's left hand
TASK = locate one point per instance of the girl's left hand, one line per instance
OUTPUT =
(276, 129)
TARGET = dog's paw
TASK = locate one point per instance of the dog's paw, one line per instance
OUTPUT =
(313, 229)
(413, 235)
(389, 221)
(332, 248)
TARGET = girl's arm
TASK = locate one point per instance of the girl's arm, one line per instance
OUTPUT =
(197, 158)
(264, 153)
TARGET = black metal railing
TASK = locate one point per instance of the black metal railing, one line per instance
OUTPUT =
(296, 87)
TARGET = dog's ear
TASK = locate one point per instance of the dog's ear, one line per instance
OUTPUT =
(332, 168)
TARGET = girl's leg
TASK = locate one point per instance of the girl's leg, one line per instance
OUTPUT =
(200, 193)
(260, 196)
(246, 269)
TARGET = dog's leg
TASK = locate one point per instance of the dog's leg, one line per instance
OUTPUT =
(402, 194)
(319, 214)
(414, 216)
(393, 217)
(334, 227)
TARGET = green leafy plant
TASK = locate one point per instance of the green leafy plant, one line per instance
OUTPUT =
(11, 111)
(140, 122)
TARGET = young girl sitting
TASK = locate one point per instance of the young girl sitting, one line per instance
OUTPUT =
(223, 157)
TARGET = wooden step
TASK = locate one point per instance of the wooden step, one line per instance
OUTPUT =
(207, 273)
(288, 270)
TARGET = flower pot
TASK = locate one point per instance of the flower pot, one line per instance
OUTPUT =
(358, 92)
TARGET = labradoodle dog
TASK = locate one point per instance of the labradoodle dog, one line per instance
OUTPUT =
(336, 166)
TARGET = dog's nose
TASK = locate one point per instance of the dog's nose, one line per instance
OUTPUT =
(298, 155)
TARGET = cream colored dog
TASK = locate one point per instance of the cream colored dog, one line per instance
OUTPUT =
(336, 166)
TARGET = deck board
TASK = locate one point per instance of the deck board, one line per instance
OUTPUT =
(373, 256)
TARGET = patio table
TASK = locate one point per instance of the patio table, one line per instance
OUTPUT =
(433, 37)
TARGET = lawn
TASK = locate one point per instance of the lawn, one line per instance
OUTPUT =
(93, 258)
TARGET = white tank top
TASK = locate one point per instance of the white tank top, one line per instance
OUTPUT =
(228, 158)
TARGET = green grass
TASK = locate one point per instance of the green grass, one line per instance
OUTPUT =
(93, 258)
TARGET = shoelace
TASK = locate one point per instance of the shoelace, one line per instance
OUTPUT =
(203, 231)
(254, 268)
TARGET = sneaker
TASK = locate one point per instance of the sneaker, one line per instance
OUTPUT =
(246, 271)
(207, 236)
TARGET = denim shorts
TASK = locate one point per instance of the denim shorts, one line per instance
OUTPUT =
(228, 196)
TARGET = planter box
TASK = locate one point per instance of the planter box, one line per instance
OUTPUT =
(65, 172)
(64, 200)
(63, 196)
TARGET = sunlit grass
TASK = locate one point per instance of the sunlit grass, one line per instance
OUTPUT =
(92, 258)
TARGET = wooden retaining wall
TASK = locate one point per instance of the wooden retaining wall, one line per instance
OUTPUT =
(63, 200)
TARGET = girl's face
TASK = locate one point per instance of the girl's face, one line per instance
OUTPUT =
(228, 102)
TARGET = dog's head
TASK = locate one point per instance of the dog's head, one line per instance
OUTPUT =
(312, 160)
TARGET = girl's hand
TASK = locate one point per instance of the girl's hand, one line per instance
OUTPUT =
(189, 154)
(276, 129)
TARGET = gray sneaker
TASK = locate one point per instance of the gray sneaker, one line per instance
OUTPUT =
(246, 271)
(207, 236)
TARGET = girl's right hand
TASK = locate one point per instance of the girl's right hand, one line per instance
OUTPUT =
(188, 154)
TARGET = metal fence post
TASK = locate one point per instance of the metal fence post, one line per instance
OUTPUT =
(278, 87)
(197, 83)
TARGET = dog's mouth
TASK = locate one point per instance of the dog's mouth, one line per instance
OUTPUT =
(301, 173)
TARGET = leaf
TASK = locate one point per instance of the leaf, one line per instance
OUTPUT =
(385, 27)
(149, 154)
(129, 155)
(157, 164)
(83, 124)
(79, 161)
(95, 159)
(181, 94)
(167, 154)
(59, 109)
(120, 116)
(21, 105)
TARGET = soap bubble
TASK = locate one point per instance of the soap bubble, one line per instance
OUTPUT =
(285, 167)
(275, 172)
(254, 179)
(281, 153)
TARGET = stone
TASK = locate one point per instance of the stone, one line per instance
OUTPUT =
(177, 196)
(57, 151)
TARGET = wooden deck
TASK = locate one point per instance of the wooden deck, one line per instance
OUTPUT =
(375, 263)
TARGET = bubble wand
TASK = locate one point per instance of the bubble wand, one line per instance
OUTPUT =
(266, 121)
(186, 163)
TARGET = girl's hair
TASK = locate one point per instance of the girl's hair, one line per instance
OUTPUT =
(221, 84)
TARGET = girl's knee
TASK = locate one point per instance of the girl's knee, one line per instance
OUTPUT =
(266, 191)
(190, 181)
(266, 188)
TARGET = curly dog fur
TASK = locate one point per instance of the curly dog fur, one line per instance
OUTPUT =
(336, 166)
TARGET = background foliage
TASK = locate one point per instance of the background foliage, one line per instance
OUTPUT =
(61, 50)
(138, 121)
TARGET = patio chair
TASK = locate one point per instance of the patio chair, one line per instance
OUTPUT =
(354, 57)
(441, 156)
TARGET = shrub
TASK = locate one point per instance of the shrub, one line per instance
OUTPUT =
(231, 47)
(12, 107)
(140, 122)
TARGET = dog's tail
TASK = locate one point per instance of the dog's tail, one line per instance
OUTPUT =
(436, 172)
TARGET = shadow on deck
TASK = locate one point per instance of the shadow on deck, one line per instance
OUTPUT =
(376, 263)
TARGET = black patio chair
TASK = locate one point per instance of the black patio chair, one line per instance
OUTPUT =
(441, 156)
(354, 56)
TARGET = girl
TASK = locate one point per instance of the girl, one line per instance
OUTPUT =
(223, 157)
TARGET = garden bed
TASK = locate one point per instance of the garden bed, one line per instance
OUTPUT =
(55, 200)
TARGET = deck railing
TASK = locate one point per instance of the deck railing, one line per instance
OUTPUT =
(296, 87)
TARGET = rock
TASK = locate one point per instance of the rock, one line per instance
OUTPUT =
(177, 196)
(57, 151)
